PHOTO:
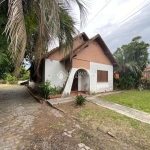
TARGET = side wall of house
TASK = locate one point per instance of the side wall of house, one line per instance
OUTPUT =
(95, 59)
(100, 86)
(55, 72)
(92, 53)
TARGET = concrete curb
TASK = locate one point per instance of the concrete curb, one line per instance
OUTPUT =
(35, 97)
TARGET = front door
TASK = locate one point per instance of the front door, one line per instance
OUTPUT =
(75, 84)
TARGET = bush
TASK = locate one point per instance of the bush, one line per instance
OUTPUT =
(80, 100)
(141, 87)
(24, 74)
(148, 84)
(54, 91)
(11, 79)
(125, 82)
(45, 89)
(4, 82)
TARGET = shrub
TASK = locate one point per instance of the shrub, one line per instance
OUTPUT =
(125, 82)
(148, 84)
(24, 74)
(4, 82)
(45, 89)
(55, 90)
(141, 87)
(80, 100)
(11, 79)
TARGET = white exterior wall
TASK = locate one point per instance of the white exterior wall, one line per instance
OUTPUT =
(103, 86)
(55, 68)
(68, 86)
(79, 83)
(85, 83)
(82, 81)
(55, 72)
(69, 83)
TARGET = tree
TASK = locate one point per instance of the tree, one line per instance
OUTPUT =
(6, 65)
(51, 21)
(133, 59)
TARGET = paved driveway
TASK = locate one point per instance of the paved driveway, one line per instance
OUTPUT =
(18, 110)
(26, 124)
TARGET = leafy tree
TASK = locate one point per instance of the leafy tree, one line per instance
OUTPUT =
(32, 24)
(24, 73)
(6, 65)
(133, 59)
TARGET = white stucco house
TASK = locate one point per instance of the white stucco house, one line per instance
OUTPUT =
(90, 69)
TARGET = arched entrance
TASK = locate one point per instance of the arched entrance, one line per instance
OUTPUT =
(81, 81)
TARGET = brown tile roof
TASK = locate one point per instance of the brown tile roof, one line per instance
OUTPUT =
(103, 46)
(83, 34)
(83, 45)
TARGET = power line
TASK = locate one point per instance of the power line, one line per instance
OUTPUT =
(131, 11)
(98, 12)
(126, 18)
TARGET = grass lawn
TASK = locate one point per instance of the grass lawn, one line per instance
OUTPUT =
(130, 134)
(133, 98)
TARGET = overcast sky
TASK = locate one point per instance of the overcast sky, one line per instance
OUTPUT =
(116, 11)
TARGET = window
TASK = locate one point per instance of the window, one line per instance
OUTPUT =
(102, 76)
(68, 64)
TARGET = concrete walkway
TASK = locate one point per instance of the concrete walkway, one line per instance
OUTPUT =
(130, 112)
(56, 101)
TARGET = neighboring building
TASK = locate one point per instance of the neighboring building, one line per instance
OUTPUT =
(146, 73)
(90, 69)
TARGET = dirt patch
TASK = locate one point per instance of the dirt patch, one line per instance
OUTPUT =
(49, 131)
(106, 129)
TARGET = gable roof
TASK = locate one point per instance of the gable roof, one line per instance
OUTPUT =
(106, 50)
(96, 38)
(82, 35)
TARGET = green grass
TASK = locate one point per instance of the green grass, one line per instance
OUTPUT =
(133, 98)
(96, 120)
(106, 120)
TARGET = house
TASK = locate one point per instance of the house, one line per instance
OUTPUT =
(146, 73)
(90, 69)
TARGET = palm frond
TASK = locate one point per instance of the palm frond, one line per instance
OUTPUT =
(55, 21)
(133, 67)
(1, 1)
(67, 30)
(16, 31)
(82, 5)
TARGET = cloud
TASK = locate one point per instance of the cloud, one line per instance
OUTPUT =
(137, 25)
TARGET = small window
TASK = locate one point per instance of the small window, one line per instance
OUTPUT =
(68, 64)
(102, 76)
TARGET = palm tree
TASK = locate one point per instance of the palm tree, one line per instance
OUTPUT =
(52, 20)
(126, 64)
